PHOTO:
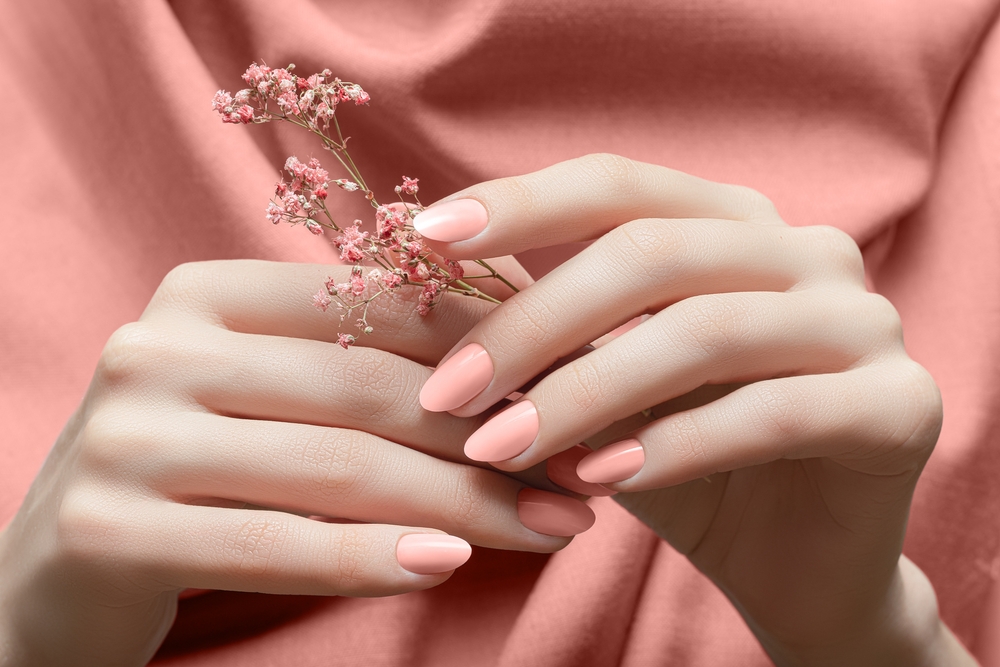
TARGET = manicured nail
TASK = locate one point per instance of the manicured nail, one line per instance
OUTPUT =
(553, 513)
(425, 553)
(612, 463)
(506, 435)
(561, 470)
(452, 221)
(458, 380)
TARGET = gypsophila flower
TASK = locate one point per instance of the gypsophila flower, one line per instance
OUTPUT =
(345, 184)
(394, 255)
(322, 300)
(409, 186)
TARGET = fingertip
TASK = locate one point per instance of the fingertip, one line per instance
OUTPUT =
(432, 553)
(452, 221)
(458, 380)
(612, 463)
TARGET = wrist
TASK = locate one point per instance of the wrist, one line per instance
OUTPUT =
(904, 628)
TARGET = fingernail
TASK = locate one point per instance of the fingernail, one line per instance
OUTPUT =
(457, 220)
(458, 380)
(612, 463)
(561, 470)
(553, 513)
(426, 553)
(506, 435)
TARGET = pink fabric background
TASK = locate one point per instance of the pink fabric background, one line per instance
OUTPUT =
(879, 117)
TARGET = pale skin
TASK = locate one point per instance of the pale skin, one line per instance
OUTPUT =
(787, 477)
(225, 414)
(212, 428)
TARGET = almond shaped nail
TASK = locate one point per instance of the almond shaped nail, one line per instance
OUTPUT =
(561, 470)
(458, 380)
(457, 220)
(505, 435)
(612, 463)
(553, 513)
(429, 553)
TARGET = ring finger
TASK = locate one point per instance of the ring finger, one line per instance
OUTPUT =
(354, 475)
(711, 339)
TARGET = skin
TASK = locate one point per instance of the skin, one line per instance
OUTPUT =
(788, 426)
(217, 420)
(212, 428)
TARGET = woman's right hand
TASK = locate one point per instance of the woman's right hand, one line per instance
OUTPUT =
(212, 428)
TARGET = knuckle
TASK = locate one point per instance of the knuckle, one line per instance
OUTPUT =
(882, 317)
(186, 287)
(367, 383)
(87, 530)
(655, 244)
(779, 412)
(619, 176)
(129, 353)
(753, 204)
(108, 443)
(525, 318)
(467, 505)
(338, 465)
(523, 193)
(582, 385)
(353, 551)
(255, 546)
(688, 440)
(837, 249)
(715, 327)
(924, 412)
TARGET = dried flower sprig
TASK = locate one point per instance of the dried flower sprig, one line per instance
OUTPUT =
(395, 255)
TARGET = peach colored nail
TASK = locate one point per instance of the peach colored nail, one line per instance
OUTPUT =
(561, 470)
(458, 380)
(505, 435)
(612, 463)
(553, 513)
(457, 220)
(427, 553)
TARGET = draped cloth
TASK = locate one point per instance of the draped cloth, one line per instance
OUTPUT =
(880, 118)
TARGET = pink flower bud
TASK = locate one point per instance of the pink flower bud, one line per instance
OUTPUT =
(321, 301)
(409, 186)
(274, 213)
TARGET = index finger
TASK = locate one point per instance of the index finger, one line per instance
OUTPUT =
(577, 200)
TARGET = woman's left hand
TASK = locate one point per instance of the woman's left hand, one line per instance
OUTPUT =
(795, 424)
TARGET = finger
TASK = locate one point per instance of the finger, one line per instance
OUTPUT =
(876, 419)
(276, 298)
(282, 379)
(344, 474)
(712, 339)
(577, 200)
(280, 553)
(640, 267)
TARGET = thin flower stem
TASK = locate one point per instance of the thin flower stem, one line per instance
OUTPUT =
(390, 248)
(343, 143)
(474, 293)
(496, 274)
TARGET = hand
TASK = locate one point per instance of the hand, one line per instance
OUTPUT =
(789, 427)
(213, 427)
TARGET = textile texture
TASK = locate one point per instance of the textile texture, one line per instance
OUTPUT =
(880, 118)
